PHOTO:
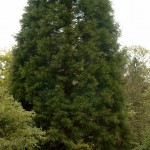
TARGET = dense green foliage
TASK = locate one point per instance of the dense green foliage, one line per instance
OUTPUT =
(17, 130)
(67, 68)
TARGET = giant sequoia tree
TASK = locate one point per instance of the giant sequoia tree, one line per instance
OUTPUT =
(66, 67)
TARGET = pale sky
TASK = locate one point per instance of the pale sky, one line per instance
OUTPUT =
(10, 14)
(134, 19)
(132, 15)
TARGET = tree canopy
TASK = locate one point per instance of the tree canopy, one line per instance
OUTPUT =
(67, 68)
(17, 128)
(137, 87)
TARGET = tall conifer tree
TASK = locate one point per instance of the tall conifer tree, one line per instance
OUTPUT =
(67, 68)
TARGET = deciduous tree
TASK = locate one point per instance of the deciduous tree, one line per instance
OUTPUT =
(17, 128)
(137, 87)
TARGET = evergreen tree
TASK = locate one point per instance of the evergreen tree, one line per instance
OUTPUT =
(67, 68)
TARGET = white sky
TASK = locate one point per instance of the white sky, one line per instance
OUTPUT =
(134, 19)
(132, 15)
(10, 14)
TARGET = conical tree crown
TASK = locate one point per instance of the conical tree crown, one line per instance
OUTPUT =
(66, 67)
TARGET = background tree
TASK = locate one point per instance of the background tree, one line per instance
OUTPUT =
(5, 61)
(137, 87)
(17, 130)
(67, 68)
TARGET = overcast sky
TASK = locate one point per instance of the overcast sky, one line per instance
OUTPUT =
(134, 19)
(132, 15)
